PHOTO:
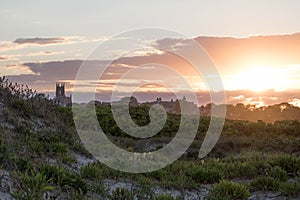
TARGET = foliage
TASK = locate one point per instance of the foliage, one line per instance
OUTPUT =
(289, 163)
(23, 164)
(206, 175)
(91, 171)
(265, 183)
(291, 188)
(278, 174)
(31, 186)
(227, 190)
(98, 187)
(165, 197)
(122, 194)
(64, 179)
(35, 129)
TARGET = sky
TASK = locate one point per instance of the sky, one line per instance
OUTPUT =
(51, 34)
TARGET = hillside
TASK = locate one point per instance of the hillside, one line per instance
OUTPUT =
(42, 157)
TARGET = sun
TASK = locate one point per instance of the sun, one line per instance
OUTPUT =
(262, 78)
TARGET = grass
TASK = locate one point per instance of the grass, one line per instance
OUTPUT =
(121, 194)
(228, 190)
(265, 183)
(291, 189)
(31, 186)
(278, 174)
(91, 171)
(165, 197)
(266, 171)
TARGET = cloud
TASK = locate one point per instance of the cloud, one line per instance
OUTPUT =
(45, 53)
(25, 42)
(9, 57)
(14, 70)
(171, 44)
(39, 41)
(21, 43)
(230, 54)
(6, 45)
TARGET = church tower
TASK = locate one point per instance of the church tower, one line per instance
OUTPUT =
(60, 90)
(61, 97)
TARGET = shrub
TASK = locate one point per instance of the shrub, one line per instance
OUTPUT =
(122, 194)
(67, 158)
(21, 107)
(72, 181)
(35, 146)
(145, 190)
(23, 164)
(3, 151)
(64, 179)
(31, 186)
(240, 169)
(290, 188)
(227, 190)
(246, 169)
(90, 171)
(165, 197)
(278, 174)
(289, 163)
(99, 188)
(265, 183)
(59, 148)
(205, 175)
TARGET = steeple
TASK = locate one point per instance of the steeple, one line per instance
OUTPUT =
(60, 89)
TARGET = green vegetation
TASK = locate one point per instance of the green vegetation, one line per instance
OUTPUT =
(227, 190)
(291, 189)
(265, 183)
(38, 141)
(31, 186)
(122, 194)
(165, 197)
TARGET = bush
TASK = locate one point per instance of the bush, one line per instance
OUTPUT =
(227, 190)
(21, 107)
(205, 175)
(64, 179)
(290, 188)
(3, 151)
(278, 174)
(31, 186)
(67, 159)
(239, 169)
(265, 183)
(121, 194)
(289, 163)
(58, 148)
(165, 197)
(99, 188)
(24, 164)
(91, 171)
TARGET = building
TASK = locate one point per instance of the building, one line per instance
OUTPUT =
(168, 105)
(182, 106)
(131, 101)
(60, 97)
(179, 106)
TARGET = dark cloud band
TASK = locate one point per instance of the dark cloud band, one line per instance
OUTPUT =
(39, 41)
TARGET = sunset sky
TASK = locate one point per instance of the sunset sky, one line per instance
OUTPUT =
(255, 45)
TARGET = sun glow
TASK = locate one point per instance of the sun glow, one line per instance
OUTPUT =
(262, 78)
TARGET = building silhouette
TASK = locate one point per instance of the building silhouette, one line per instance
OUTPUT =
(60, 97)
